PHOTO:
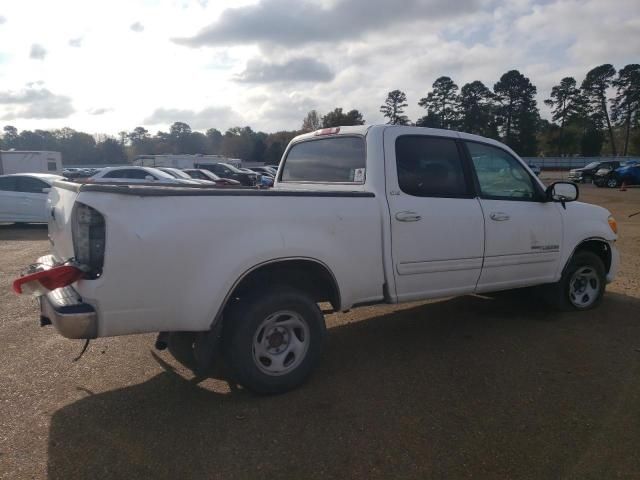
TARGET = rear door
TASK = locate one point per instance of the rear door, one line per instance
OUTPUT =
(523, 233)
(437, 228)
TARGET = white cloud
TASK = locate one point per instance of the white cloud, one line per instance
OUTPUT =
(303, 69)
(353, 54)
(218, 117)
(38, 52)
(137, 27)
(34, 103)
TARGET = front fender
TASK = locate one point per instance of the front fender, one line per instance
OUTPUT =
(583, 222)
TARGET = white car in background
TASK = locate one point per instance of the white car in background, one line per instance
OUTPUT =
(179, 174)
(23, 197)
(134, 175)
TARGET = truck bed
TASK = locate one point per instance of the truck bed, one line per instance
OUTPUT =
(185, 247)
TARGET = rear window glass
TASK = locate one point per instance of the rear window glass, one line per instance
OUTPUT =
(335, 160)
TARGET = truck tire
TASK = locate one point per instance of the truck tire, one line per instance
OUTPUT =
(582, 284)
(272, 341)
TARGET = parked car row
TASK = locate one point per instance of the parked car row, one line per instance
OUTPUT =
(23, 197)
(587, 174)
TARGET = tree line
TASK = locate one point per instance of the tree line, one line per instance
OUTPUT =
(585, 119)
(601, 115)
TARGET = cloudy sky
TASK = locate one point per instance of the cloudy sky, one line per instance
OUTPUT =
(106, 66)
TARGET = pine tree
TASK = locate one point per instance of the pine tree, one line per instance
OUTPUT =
(477, 110)
(594, 87)
(517, 112)
(442, 102)
(393, 108)
(564, 103)
(625, 107)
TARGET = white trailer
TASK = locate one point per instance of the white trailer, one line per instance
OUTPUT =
(183, 161)
(22, 161)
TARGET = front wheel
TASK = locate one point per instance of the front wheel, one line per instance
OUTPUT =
(274, 340)
(582, 284)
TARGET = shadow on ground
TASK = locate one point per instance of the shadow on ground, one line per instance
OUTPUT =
(467, 387)
(23, 231)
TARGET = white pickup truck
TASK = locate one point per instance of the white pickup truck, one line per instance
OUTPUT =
(358, 215)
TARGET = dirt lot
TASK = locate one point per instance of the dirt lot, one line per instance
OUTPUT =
(468, 387)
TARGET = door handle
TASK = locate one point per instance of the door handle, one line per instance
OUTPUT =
(499, 216)
(408, 217)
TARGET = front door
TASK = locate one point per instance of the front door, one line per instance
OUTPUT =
(523, 233)
(437, 229)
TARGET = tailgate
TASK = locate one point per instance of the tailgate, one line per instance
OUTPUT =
(60, 207)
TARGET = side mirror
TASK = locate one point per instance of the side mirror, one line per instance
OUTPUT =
(149, 178)
(46, 190)
(562, 192)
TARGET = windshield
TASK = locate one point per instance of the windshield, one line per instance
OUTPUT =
(592, 165)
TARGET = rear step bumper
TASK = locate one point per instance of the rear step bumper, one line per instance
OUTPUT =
(69, 315)
(64, 308)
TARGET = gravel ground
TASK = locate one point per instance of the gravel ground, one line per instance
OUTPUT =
(469, 387)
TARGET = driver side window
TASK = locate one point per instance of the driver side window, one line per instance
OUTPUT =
(500, 176)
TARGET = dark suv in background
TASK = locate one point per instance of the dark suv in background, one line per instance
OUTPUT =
(587, 173)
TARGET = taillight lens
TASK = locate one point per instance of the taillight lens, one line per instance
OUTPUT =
(88, 239)
(40, 283)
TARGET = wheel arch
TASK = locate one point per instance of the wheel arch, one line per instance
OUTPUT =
(305, 273)
(596, 245)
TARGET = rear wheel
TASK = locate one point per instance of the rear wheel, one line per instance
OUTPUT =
(612, 182)
(582, 284)
(273, 341)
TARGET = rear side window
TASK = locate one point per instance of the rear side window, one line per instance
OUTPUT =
(430, 167)
(332, 160)
(134, 174)
(31, 185)
(9, 184)
(114, 174)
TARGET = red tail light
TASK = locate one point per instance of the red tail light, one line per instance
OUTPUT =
(40, 283)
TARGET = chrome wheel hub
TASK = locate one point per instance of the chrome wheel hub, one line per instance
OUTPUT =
(584, 287)
(280, 343)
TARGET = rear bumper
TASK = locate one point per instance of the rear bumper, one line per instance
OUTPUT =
(64, 308)
(71, 317)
